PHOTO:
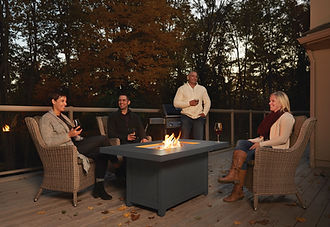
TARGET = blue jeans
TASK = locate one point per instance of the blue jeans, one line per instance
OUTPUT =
(245, 145)
(196, 126)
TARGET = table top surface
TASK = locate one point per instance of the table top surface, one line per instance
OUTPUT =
(152, 151)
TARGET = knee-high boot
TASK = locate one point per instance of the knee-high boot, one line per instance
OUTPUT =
(237, 192)
(239, 157)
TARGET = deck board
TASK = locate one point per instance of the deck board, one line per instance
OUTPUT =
(55, 208)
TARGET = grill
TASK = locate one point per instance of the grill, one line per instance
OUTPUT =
(170, 122)
(172, 116)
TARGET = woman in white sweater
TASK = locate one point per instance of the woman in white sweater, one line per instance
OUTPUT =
(274, 131)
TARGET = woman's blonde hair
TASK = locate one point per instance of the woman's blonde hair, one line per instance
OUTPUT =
(283, 99)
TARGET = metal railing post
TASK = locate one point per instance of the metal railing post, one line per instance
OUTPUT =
(250, 123)
(207, 128)
(232, 127)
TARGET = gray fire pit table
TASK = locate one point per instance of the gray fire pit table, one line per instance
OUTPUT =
(161, 179)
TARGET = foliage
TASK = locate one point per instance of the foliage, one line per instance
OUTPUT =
(242, 50)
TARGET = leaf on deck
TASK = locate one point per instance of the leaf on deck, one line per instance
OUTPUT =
(126, 215)
(237, 222)
(90, 208)
(122, 207)
(41, 212)
(105, 212)
(300, 219)
(135, 217)
(261, 222)
(198, 218)
(291, 204)
(63, 211)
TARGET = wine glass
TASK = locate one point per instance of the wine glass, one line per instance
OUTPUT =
(131, 130)
(218, 130)
(76, 123)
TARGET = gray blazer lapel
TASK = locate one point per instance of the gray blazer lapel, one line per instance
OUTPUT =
(60, 121)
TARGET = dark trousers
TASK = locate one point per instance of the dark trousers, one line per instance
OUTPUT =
(90, 147)
(194, 126)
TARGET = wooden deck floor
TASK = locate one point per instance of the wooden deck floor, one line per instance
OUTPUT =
(54, 208)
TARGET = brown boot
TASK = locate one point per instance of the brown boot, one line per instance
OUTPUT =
(237, 193)
(239, 157)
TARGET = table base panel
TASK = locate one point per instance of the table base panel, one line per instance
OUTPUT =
(163, 185)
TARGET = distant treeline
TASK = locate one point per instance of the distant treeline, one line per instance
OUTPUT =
(242, 50)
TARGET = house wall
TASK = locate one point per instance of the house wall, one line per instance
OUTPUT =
(320, 12)
(322, 107)
(317, 44)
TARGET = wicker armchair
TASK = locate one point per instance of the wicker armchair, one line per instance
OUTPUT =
(102, 122)
(274, 169)
(62, 169)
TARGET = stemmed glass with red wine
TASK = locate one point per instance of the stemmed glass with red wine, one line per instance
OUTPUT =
(218, 130)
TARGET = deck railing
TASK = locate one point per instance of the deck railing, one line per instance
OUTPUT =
(214, 113)
(72, 109)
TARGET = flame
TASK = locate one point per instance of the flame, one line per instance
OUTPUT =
(171, 141)
(6, 128)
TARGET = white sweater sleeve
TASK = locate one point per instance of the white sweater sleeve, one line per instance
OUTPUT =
(179, 101)
(285, 130)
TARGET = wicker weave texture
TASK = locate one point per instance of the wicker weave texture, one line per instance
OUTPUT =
(274, 169)
(62, 169)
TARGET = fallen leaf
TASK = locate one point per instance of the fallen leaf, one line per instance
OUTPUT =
(63, 211)
(133, 211)
(75, 214)
(121, 198)
(135, 217)
(105, 212)
(90, 208)
(252, 222)
(126, 215)
(122, 207)
(79, 200)
(172, 209)
(198, 218)
(263, 222)
(237, 222)
(291, 204)
(209, 205)
(300, 219)
(41, 212)
(99, 204)
(151, 217)
(120, 224)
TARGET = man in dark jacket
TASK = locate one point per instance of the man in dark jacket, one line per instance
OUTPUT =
(126, 125)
